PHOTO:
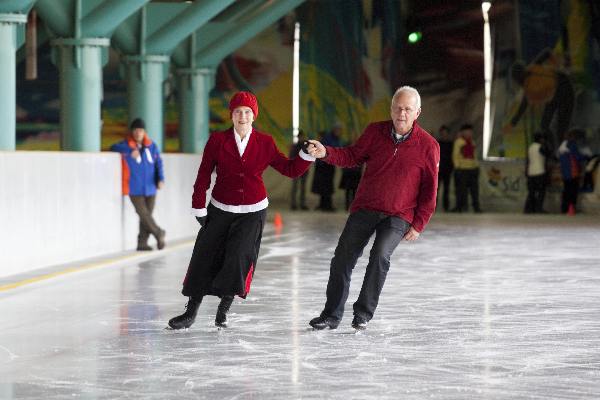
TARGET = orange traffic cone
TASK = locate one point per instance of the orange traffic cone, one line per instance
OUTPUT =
(278, 222)
(571, 210)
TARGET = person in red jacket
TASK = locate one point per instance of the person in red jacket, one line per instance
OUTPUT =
(395, 199)
(224, 257)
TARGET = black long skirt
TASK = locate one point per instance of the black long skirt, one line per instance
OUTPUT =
(224, 257)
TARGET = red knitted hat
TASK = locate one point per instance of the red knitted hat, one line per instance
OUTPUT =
(244, 99)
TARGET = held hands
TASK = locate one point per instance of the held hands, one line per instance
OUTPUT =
(316, 149)
(411, 235)
(201, 220)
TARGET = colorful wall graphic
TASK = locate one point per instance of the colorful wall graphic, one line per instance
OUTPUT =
(347, 52)
(555, 84)
(354, 53)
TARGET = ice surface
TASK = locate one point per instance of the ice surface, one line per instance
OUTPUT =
(481, 307)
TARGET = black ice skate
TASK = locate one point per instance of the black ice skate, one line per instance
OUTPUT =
(222, 310)
(186, 319)
(322, 322)
(359, 323)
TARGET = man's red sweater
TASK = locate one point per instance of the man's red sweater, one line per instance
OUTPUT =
(399, 179)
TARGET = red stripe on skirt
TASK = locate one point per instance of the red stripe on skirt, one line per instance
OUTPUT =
(249, 279)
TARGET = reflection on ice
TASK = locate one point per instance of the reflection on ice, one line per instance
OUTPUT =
(481, 307)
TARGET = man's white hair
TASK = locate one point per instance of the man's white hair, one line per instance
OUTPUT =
(408, 89)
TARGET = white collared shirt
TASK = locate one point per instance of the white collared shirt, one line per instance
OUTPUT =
(241, 143)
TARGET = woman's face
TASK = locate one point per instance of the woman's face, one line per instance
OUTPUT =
(242, 118)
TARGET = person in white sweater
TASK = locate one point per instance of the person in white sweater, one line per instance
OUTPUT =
(536, 175)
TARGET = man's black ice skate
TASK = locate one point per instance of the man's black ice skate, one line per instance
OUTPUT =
(186, 319)
(322, 322)
(359, 323)
(222, 310)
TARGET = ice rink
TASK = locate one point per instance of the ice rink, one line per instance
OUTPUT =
(490, 306)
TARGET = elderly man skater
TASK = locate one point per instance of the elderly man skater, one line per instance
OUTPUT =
(395, 200)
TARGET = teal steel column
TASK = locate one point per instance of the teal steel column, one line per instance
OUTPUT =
(8, 78)
(194, 86)
(80, 64)
(145, 79)
(244, 31)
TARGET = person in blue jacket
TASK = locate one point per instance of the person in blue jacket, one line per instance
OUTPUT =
(142, 175)
(571, 161)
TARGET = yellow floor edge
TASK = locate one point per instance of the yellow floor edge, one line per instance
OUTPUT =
(107, 262)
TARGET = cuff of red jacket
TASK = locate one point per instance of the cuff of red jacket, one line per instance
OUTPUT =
(418, 225)
(199, 212)
(306, 156)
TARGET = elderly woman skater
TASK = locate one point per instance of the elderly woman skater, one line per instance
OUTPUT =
(224, 258)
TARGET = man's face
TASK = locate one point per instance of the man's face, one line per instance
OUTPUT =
(404, 112)
(242, 118)
(138, 134)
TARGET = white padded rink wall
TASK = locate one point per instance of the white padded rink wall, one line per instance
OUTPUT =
(58, 207)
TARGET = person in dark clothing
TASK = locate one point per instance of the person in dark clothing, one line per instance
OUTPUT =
(349, 182)
(395, 200)
(298, 184)
(142, 176)
(226, 251)
(537, 154)
(324, 173)
(446, 167)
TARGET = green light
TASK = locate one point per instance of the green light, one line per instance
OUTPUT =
(414, 37)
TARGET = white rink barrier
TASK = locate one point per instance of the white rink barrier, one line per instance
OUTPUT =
(60, 207)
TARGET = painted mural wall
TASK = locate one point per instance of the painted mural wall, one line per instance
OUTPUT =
(553, 82)
(355, 53)
(347, 49)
